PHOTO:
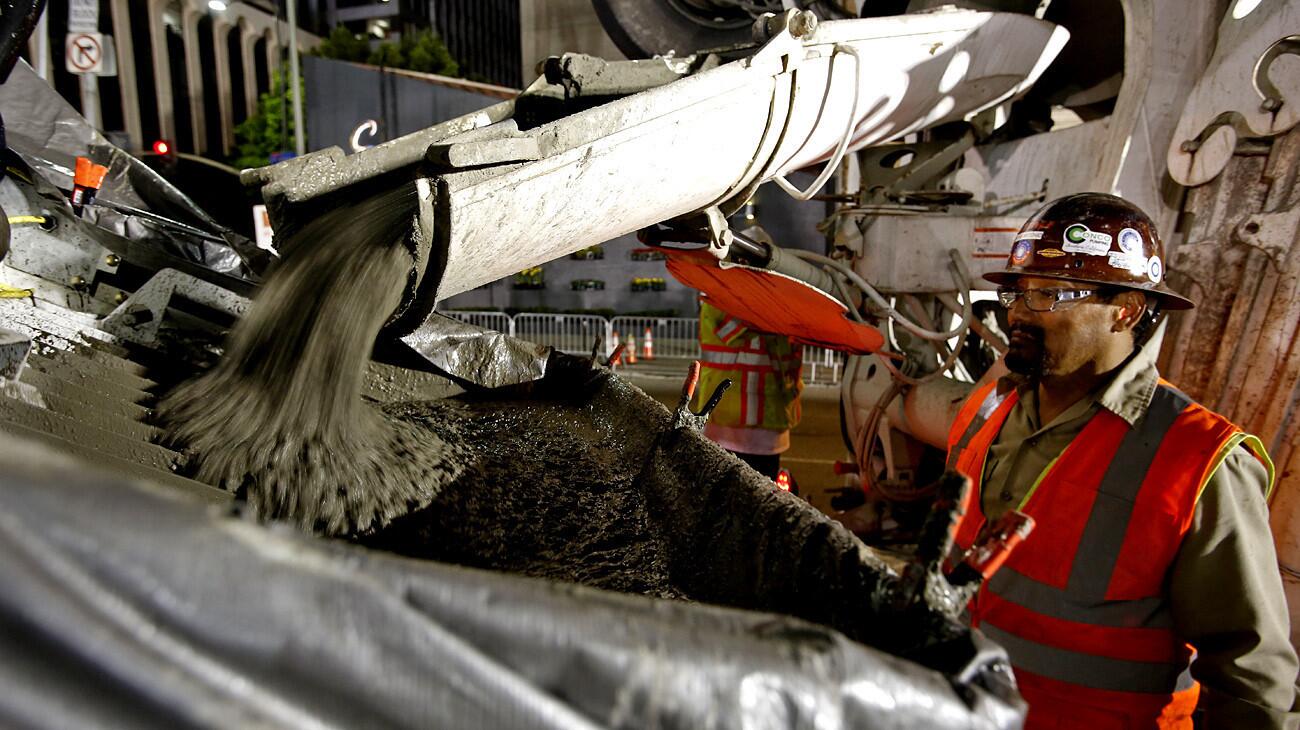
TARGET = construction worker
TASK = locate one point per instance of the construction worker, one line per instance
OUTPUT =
(1150, 582)
(754, 418)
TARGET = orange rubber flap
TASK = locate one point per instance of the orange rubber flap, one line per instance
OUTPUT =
(774, 302)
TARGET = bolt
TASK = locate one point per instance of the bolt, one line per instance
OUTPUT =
(1190, 146)
(119, 297)
(113, 259)
(79, 283)
(803, 23)
(1271, 105)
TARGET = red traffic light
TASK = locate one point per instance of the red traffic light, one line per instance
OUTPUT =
(161, 147)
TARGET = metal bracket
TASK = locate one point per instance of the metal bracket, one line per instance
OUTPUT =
(139, 318)
(720, 236)
(1272, 233)
(884, 180)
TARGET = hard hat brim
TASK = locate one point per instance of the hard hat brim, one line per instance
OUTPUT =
(1168, 298)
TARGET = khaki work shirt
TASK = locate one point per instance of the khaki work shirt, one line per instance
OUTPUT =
(1224, 587)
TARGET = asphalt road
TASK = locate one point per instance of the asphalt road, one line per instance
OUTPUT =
(815, 444)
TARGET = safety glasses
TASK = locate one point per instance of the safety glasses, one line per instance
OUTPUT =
(1042, 300)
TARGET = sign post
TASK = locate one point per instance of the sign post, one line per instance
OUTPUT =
(89, 54)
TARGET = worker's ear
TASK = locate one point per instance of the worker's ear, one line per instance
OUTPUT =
(1130, 306)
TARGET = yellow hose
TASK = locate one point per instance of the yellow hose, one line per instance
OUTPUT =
(10, 292)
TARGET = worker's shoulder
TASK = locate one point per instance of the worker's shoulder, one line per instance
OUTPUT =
(1194, 417)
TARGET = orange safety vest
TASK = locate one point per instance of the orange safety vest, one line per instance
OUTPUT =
(1081, 606)
(764, 370)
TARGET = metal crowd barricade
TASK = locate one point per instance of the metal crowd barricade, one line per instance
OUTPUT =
(673, 337)
(571, 333)
(499, 321)
(821, 365)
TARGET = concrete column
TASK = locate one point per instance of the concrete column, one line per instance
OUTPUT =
(126, 78)
(41, 49)
(162, 71)
(272, 53)
(247, 42)
(221, 53)
(194, 72)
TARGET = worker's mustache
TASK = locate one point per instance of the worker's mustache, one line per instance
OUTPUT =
(1026, 354)
(1029, 332)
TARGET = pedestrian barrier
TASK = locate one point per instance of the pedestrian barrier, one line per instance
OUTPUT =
(499, 321)
(571, 333)
(669, 338)
(673, 337)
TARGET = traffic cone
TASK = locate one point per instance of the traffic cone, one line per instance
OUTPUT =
(648, 345)
(631, 350)
(614, 353)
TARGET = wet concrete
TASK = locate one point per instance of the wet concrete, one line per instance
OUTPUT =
(579, 477)
(280, 420)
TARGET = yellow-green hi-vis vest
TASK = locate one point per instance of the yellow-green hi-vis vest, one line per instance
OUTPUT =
(764, 370)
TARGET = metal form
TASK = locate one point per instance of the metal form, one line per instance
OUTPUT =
(1238, 352)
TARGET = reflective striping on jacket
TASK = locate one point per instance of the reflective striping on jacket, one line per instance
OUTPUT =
(1090, 670)
(728, 328)
(1103, 535)
(764, 371)
(1057, 603)
(729, 357)
(988, 404)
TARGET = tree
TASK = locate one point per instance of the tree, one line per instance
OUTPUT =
(344, 45)
(270, 128)
(426, 52)
(422, 51)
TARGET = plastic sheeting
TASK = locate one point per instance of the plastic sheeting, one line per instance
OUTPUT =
(475, 355)
(134, 201)
(129, 606)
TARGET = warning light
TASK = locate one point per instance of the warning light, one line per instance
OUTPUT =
(783, 480)
(161, 147)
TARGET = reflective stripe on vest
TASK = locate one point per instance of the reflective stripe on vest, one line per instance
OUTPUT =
(764, 370)
(1090, 670)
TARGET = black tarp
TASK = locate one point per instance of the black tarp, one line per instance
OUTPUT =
(126, 605)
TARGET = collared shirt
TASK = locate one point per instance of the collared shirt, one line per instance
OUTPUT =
(1225, 591)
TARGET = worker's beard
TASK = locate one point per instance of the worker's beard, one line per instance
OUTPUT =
(1027, 351)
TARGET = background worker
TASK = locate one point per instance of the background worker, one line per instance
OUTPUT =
(1150, 582)
(754, 418)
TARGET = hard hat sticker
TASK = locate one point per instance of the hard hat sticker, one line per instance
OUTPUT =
(1051, 253)
(1030, 236)
(1134, 264)
(1130, 241)
(1020, 252)
(1079, 239)
(1155, 270)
